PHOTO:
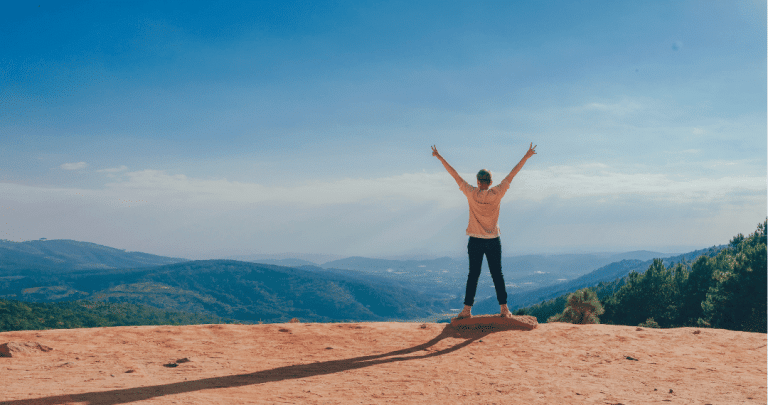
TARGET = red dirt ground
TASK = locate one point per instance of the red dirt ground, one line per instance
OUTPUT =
(405, 363)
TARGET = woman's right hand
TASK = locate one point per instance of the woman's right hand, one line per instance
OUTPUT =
(434, 152)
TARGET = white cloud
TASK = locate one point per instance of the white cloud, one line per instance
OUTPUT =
(400, 191)
(113, 169)
(620, 108)
(437, 187)
(599, 180)
(74, 166)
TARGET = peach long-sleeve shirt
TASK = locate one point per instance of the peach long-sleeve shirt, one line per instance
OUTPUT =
(484, 208)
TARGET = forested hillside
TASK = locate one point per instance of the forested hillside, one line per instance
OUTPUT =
(16, 315)
(605, 274)
(243, 291)
(725, 291)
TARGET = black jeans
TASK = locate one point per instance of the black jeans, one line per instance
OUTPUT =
(491, 248)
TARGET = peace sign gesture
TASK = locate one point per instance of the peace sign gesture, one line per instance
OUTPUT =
(531, 150)
(434, 152)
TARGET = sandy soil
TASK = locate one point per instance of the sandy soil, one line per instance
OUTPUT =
(406, 363)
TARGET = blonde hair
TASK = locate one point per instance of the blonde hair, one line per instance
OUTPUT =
(484, 176)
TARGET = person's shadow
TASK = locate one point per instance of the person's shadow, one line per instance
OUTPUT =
(126, 395)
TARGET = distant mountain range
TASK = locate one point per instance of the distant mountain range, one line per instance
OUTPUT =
(63, 255)
(295, 258)
(275, 290)
(446, 277)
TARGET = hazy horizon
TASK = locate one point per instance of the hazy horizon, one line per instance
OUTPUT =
(321, 258)
(196, 130)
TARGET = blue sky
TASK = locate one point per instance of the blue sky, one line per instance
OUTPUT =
(206, 130)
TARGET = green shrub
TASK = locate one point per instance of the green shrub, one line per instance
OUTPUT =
(649, 323)
(583, 307)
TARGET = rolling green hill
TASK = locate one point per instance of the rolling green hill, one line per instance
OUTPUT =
(17, 315)
(62, 255)
(226, 288)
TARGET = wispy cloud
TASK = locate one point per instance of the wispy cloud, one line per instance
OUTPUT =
(438, 187)
(600, 180)
(74, 166)
(623, 107)
(563, 182)
(113, 169)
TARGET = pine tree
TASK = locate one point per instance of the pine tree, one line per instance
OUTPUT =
(700, 280)
(738, 299)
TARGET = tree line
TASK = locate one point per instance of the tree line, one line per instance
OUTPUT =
(727, 291)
